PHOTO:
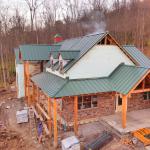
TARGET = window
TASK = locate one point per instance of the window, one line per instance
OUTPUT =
(85, 102)
(146, 95)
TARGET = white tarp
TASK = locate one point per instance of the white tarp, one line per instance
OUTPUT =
(22, 116)
(70, 143)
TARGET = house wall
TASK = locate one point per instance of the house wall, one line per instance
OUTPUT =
(136, 102)
(20, 80)
(100, 61)
(106, 106)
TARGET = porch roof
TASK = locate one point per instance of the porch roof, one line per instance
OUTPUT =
(121, 80)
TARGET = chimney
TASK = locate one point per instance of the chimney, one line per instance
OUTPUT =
(57, 38)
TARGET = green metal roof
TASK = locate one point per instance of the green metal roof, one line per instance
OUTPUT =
(67, 55)
(82, 44)
(125, 77)
(85, 86)
(35, 52)
(121, 80)
(137, 55)
(49, 83)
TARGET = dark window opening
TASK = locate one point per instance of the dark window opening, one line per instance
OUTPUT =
(119, 101)
(85, 102)
(146, 95)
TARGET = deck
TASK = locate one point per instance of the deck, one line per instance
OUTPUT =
(135, 120)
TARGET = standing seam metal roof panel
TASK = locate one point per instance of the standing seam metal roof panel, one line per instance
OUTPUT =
(48, 82)
(121, 80)
(35, 52)
(137, 55)
(125, 77)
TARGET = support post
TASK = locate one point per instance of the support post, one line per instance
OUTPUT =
(124, 111)
(76, 115)
(50, 116)
(33, 93)
(37, 98)
(25, 80)
(28, 82)
(55, 124)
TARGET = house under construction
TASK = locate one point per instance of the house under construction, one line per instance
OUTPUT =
(82, 79)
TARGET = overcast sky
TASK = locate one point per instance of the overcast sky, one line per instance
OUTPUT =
(21, 4)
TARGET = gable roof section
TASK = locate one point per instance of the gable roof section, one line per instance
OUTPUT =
(125, 77)
(49, 83)
(35, 52)
(138, 55)
(122, 80)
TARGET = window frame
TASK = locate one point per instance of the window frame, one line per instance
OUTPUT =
(146, 95)
(82, 103)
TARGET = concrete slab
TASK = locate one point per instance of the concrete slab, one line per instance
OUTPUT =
(147, 147)
(135, 120)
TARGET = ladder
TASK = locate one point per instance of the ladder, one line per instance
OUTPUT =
(32, 124)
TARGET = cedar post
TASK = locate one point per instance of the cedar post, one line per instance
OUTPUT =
(50, 118)
(25, 79)
(55, 124)
(28, 82)
(33, 94)
(124, 111)
(37, 99)
(76, 115)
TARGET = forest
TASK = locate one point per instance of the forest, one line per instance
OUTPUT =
(37, 21)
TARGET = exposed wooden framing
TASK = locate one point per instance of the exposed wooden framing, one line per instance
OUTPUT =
(143, 84)
(131, 91)
(50, 116)
(37, 98)
(28, 82)
(41, 66)
(76, 115)
(141, 90)
(55, 123)
(33, 95)
(42, 111)
(105, 40)
(124, 110)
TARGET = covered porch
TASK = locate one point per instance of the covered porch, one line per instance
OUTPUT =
(135, 120)
(124, 81)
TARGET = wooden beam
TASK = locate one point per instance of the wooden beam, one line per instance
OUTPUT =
(55, 124)
(33, 94)
(37, 98)
(143, 84)
(28, 82)
(50, 116)
(131, 91)
(76, 115)
(124, 111)
(141, 90)
(42, 111)
(105, 40)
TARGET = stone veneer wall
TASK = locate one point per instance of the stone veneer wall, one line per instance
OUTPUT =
(137, 102)
(106, 106)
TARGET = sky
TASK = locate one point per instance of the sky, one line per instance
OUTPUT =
(13, 4)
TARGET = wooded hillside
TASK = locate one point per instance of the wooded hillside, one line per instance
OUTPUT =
(128, 21)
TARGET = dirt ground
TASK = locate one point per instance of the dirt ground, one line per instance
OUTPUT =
(15, 136)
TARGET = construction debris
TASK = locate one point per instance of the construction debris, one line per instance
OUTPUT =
(143, 135)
